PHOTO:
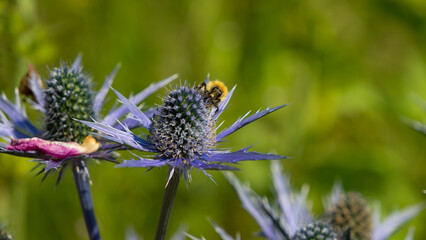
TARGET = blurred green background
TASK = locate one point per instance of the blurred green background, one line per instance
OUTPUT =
(351, 69)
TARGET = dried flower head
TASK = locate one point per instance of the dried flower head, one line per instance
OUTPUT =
(351, 212)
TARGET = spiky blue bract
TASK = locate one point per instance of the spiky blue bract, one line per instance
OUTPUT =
(181, 133)
(220, 231)
(391, 224)
(293, 205)
(275, 223)
(252, 203)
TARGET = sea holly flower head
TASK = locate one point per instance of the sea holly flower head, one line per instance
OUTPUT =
(66, 95)
(347, 215)
(352, 212)
(372, 227)
(316, 231)
(182, 131)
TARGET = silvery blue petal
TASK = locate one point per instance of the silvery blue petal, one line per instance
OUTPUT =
(131, 123)
(137, 113)
(111, 117)
(7, 130)
(194, 238)
(416, 125)
(223, 104)
(118, 136)
(76, 65)
(180, 233)
(410, 234)
(334, 196)
(301, 206)
(51, 165)
(240, 155)
(376, 214)
(143, 162)
(37, 89)
(282, 187)
(398, 218)
(241, 122)
(100, 96)
(245, 196)
(211, 166)
(17, 115)
(222, 233)
(131, 234)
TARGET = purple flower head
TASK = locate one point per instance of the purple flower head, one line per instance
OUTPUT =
(293, 219)
(64, 96)
(182, 131)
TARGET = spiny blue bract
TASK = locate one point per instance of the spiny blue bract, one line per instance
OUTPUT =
(68, 96)
(183, 127)
(315, 231)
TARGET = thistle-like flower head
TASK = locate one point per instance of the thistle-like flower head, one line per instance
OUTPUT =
(351, 212)
(347, 217)
(344, 206)
(68, 96)
(65, 96)
(182, 131)
(183, 127)
(315, 231)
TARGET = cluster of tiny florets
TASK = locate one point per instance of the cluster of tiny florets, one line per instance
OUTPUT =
(315, 231)
(183, 127)
(67, 97)
(351, 211)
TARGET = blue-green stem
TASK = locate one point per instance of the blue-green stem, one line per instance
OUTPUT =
(166, 209)
(82, 183)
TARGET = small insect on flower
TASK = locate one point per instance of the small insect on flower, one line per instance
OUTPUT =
(214, 92)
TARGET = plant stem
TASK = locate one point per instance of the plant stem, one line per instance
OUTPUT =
(166, 208)
(82, 182)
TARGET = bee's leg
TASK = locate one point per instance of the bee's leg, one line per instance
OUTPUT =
(202, 86)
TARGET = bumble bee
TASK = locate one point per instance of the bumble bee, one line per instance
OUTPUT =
(213, 92)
